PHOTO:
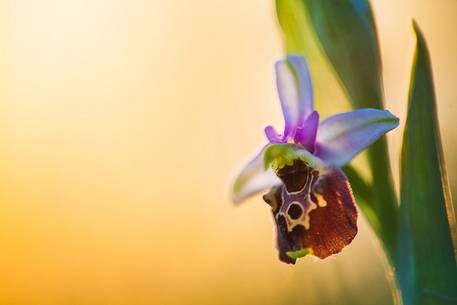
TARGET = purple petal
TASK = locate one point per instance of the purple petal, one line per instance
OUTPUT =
(305, 85)
(295, 91)
(272, 134)
(288, 96)
(306, 135)
(253, 178)
(341, 137)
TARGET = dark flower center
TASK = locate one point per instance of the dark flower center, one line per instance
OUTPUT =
(295, 211)
(295, 176)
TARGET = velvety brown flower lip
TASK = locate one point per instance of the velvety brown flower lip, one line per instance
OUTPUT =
(314, 211)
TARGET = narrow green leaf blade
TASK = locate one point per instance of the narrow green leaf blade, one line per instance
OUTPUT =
(297, 37)
(300, 38)
(347, 34)
(426, 261)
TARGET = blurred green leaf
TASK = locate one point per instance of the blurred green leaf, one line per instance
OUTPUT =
(426, 262)
(347, 34)
(345, 31)
(300, 38)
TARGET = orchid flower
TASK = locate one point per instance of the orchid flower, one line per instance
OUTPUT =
(310, 196)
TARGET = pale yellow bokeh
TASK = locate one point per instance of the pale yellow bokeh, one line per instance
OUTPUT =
(121, 124)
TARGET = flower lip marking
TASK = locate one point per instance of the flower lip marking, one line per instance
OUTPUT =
(321, 202)
(297, 203)
(295, 210)
(311, 199)
(322, 230)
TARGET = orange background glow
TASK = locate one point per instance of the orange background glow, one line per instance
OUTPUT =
(121, 124)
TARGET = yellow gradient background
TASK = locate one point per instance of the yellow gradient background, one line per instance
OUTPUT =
(121, 124)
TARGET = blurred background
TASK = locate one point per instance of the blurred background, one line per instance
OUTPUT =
(121, 125)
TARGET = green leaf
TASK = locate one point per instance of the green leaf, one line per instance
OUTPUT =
(347, 34)
(345, 31)
(426, 261)
(300, 38)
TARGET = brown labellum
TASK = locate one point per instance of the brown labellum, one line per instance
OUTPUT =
(314, 211)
